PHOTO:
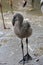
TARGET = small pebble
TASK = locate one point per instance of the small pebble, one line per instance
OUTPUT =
(37, 60)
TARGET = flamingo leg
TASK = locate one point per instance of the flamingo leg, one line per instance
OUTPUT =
(23, 60)
(27, 56)
(27, 44)
(22, 51)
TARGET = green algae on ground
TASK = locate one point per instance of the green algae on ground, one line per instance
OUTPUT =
(0, 45)
(39, 51)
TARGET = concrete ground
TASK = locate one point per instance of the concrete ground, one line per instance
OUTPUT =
(10, 47)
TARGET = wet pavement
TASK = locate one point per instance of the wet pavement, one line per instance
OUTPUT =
(10, 47)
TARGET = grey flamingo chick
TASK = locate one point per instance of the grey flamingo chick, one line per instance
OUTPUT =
(23, 30)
